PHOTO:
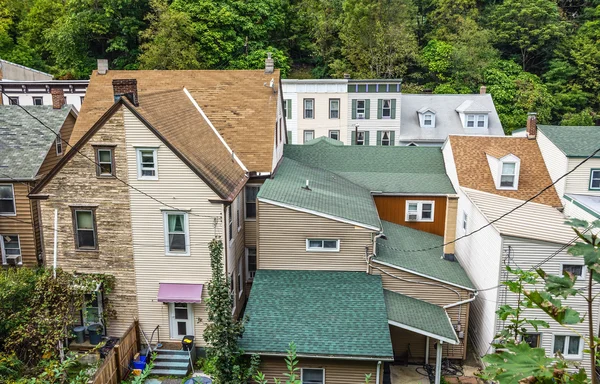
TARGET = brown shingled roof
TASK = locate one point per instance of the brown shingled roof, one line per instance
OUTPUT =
(237, 103)
(474, 172)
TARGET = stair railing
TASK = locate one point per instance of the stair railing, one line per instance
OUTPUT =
(149, 342)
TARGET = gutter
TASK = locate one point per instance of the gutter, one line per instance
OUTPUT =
(330, 357)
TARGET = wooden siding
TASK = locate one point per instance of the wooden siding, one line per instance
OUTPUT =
(336, 371)
(556, 162)
(180, 187)
(282, 238)
(21, 224)
(579, 180)
(450, 225)
(393, 209)
(52, 158)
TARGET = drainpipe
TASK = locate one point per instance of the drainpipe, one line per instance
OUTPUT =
(378, 369)
(438, 363)
(462, 302)
(369, 257)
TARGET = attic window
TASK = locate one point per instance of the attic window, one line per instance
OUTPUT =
(476, 121)
(426, 118)
(508, 175)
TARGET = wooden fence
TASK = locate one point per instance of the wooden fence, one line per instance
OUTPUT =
(116, 364)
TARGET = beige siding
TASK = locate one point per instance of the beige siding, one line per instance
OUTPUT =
(579, 180)
(322, 124)
(405, 341)
(336, 371)
(282, 241)
(250, 233)
(556, 162)
(236, 252)
(180, 187)
(373, 124)
(52, 158)
(21, 224)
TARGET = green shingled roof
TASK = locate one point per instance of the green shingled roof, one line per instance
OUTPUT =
(417, 315)
(573, 141)
(401, 239)
(329, 193)
(378, 168)
(337, 314)
(24, 141)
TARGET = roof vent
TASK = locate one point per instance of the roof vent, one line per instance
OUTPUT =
(306, 186)
(449, 257)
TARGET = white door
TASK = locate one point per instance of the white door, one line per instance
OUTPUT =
(181, 320)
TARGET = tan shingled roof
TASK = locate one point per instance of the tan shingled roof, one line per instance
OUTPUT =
(237, 103)
(474, 172)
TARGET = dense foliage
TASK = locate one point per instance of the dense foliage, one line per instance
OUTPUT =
(534, 55)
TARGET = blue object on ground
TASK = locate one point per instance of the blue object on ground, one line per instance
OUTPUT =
(143, 359)
(139, 365)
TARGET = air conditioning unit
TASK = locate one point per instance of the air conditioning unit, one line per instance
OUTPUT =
(12, 259)
(360, 115)
(412, 216)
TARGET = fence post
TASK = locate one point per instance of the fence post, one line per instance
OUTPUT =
(118, 363)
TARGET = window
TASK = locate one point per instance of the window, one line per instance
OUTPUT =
(334, 109)
(229, 224)
(13, 101)
(11, 249)
(251, 262)
(147, 167)
(309, 135)
(385, 138)
(386, 109)
(239, 279)
(419, 210)
(7, 200)
(322, 245)
(105, 160)
(81, 99)
(507, 177)
(85, 229)
(595, 179)
(360, 139)
(38, 101)
(287, 109)
(92, 307)
(335, 135)
(567, 345)
(312, 375)
(59, 144)
(237, 213)
(176, 233)
(574, 269)
(470, 121)
(360, 109)
(465, 221)
(533, 339)
(250, 195)
(309, 108)
(479, 121)
(428, 120)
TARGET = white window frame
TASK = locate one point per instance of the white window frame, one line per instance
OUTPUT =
(13, 100)
(389, 108)
(311, 109)
(139, 163)
(229, 229)
(237, 213)
(100, 162)
(3, 250)
(246, 202)
(361, 115)
(539, 334)
(583, 268)
(240, 278)
(515, 175)
(389, 138)
(311, 132)
(337, 132)
(359, 141)
(470, 118)
(14, 201)
(336, 110)
(592, 178)
(232, 292)
(34, 98)
(322, 248)
(186, 231)
(420, 210)
(465, 221)
(568, 336)
(481, 119)
(173, 321)
(250, 274)
(476, 118)
(314, 369)
(431, 119)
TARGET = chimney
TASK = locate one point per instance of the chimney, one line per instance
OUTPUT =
(58, 97)
(531, 125)
(269, 64)
(346, 75)
(102, 66)
(482, 90)
(450, 227)
(127, 88)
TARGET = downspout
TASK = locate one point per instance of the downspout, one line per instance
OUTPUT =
(377, 374)
(369, 257)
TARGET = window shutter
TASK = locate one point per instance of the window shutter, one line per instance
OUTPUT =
(378, 137)
(289, 137)
(367, 138)
(353, 111)
(379, 112)
(288, 108)
(353, 137)
(392, 133)
(393, 109)
(367, 109)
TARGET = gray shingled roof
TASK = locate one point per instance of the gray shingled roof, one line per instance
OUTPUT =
(447, 120)
(24, 142)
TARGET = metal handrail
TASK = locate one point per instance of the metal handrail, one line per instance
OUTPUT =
(149, 342)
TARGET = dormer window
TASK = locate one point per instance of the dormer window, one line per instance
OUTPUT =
(505, 171)
(476, 121)
(508, 175)
(426, 118)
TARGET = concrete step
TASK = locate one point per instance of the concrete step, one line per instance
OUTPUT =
(166, 364)
(169, 372)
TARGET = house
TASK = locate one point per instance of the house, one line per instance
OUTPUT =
(493, 177)
(30, 145)
(26, 86)
(337, 230)
(172, 163)
(428, 119)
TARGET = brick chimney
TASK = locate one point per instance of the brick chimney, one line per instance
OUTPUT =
(482, 90)
(450, 227)
(531, 125)
(127, 88)
(102, 66)
(269, 64)
(58, 97)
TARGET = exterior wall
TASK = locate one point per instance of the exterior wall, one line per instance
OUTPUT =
(575, 211)
(373, 124)
(291, 122)
(393, 209)
(403, 341)
(322, 124)
(236, 253)
(178, 185)
(74, 91)
(279, 137)
(52, 158)
(556, 162)
(336, 371)
(75, 185)
(282, 235)
(579, 180)
(21, 224)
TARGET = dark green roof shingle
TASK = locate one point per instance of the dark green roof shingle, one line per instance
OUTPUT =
(338, 314)
(573, 141)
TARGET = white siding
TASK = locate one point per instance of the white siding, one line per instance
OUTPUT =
(579, 180)
(449, 164)
(573, 211)
(279, 139)
(179, 186)
(373, 124)
(555, 160)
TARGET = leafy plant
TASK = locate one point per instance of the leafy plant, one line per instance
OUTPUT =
(291, 362)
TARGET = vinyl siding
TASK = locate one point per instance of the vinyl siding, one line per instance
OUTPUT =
(579, 180)
(336, 371)
(51, 158)
(282, 235)
(393, 209)
(556, 162)
(574, 211)
(373, 124)
(322, 124)
(180, 187)
(21, 224)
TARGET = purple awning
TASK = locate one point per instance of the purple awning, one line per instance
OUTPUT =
(179, 293)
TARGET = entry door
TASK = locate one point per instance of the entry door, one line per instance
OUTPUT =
(182, 320)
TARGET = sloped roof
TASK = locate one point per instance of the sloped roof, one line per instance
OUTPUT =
(589, 203)
(237, 103)
(447, 119)
(401, 240)
(573, 141)
(474, 172)
(332, 314)
(24, 141)
(329, 194)
(378, 168)
(532, 221)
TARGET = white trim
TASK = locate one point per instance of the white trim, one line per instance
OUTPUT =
(419, 210)
(592, 179)
(341, 220)
(421, 332)
(3, 250)
(246, 218)
(314, 369)
(138, 151)
(59, 140)
(186, 231)
(583, 268)
(238, 217)
(579, 355)
(248, 277)
(173, 321)
(240, 278)
(229, 217)
(510, 159)
(237, 159)
(322, 248)
(14, 200)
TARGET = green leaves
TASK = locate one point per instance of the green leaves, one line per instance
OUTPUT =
(553, 307)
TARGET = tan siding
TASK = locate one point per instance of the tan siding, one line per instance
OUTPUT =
(21, 224)
(336, 371)
(282, 239)
(579, 180)
(450, 226)
(250, 233)
(393, 209)
(51, 158)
